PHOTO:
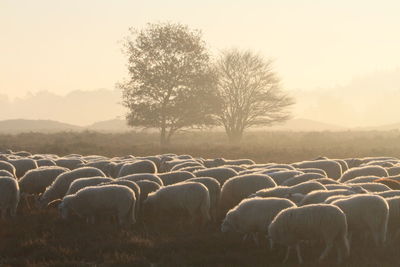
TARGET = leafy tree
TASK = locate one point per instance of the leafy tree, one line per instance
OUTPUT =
(249, 92)
(170, 85)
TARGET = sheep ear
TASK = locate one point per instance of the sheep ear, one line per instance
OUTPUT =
(54, 203)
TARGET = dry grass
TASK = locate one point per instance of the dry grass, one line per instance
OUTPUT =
(40, 238)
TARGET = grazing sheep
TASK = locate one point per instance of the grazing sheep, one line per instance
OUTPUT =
(388, 193)
(312, 222)
(353, 162)
(238, 188)
(343, 164)
(140, 166)
(4, 165)
(133, 186)
(306, 187)
(192, 198)
(391, 183)
(61, 184)
(313, 170)
(278, 191)
(393, 170)
(80, 183)
(45, 162)
(169, 178)
(155, 159)
(142, 176)
(394, 217)
(320, 196)
(9, 197)
(167, 164)
(35, 181)
(281, 177)
(185, 165)
(221, 162)
(105, 166)
(22, 166)
(92, 201)
(302, 178)
(214, 189)
(331, 167)
(326, 181)
(355, 188)
(146, 187)
(219, 173)
(366, 213)
(281, 166)
(253, 216)
(4, 173)
(363, 171)
(372, 187)
(70, 163)
(192, 169)
(362, 179)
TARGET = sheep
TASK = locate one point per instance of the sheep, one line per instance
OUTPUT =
(98, 200)
(185, 165)
(343, 164)
(302, 178)
(221, 162)
(22, 166)
(253, 216)
(142, 176)
(133, 186)
(4, 173)
(281, 166)
(237, 188)
(9, 196)
(174, 177)
(219, 173)
(278, 191)
(312, 222)
(61, 184)
(189, 197)
(353, 162)
(372, 187)
(45, 162)
(363, 171)
(140, 166)
(391, 183)
(388, 193)
(366, 213)
(393, 170)
(326, 181)
(22, 154)
(146, 187)
(362, 179)
(281, 177)
(355, 188)
(70, 163)
(167, 165)
(155, 159)
(105, 166)
(394, 216)
(35, 181)
(214, 190)
(192, 169)
(4, 165)
(306, 187)
(80, 183)
(313, 170)
(331, 167)
(320, 196)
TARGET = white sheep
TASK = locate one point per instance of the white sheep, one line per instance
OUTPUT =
(146, 187)
(23, 165)
(142, 176)
(92, 201)
(61, 184)
(4, 173)
(238, 188)
(331, 167)
(372, 187)
(45, 162)
(362, 179)
(214, 190)
(220, 173)
(394, 217)
(312, 222)
(190, 197)
(313, 170)
(9, 196)
(388, 193)
(69, 162)
(320, 196)
(80, 183)
(326, 181)
(302, 178)
(253, 216)
(174, 177)
(4, 165)
(281, 176)
(140, 166)
(363, 171)
(366, 213)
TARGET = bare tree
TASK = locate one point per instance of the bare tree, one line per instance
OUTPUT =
(171, 82)
(249, 93)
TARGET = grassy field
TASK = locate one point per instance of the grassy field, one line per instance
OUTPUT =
(40, 238)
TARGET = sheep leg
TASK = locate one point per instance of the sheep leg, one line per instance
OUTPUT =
(300, 259)
(245, 238)
(289, 248)
(255, 239)
(27, 202)
(326, 251)
(271, 243)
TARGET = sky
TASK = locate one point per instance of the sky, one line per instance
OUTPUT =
(66, 45)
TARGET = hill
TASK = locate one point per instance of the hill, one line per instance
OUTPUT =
(45, 126)
(306, 125)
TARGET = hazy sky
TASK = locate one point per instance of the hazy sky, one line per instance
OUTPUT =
(64, 45)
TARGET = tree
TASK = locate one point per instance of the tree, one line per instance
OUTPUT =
(249, 92)
(171, 83)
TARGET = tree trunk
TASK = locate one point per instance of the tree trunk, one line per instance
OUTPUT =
(163, 137)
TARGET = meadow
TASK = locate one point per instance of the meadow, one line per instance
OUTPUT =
(41, 238)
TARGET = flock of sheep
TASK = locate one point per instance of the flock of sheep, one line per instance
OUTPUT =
(338, 202)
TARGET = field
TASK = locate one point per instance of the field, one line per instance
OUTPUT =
(40, 238)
